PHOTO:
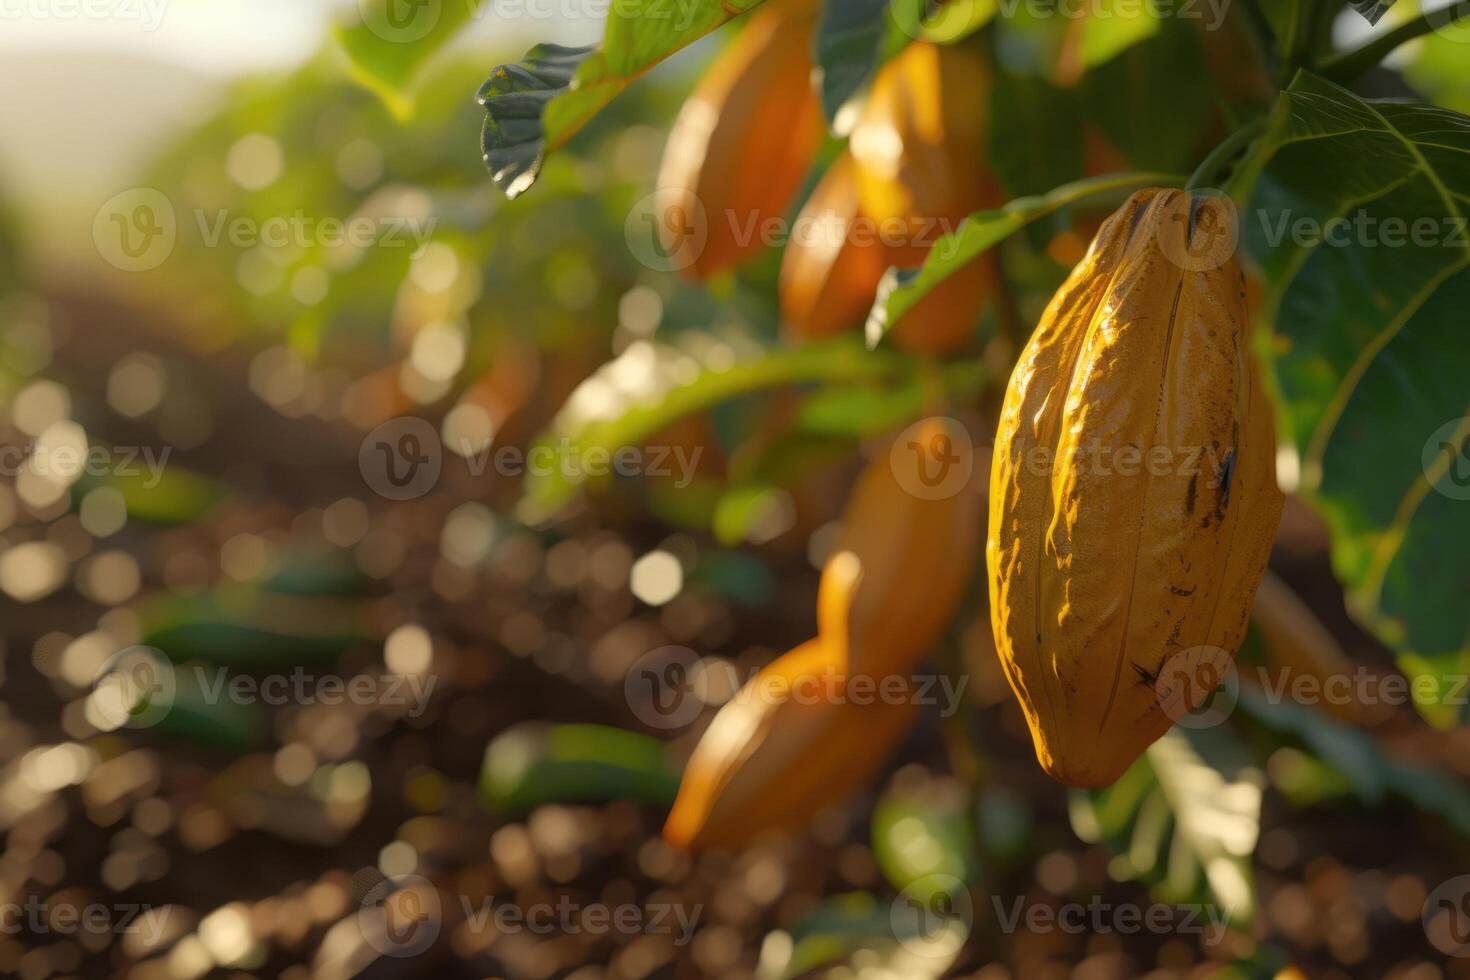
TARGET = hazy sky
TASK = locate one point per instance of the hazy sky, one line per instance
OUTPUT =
(230, 36)
(90, 88)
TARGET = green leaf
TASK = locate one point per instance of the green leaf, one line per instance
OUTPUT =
(922, 840)
(247, 627)
(1032, 159)
(535, 106)
(1184, 819)
(534, 763)
(843, 926)
(902, 289)
(1355, 756)
(1115, 27)
(515, 98)
(392, 39)
(1155, 102)
(169, 496)
(848, 45)
(317, 572)
(1367, 337)
(650, 386)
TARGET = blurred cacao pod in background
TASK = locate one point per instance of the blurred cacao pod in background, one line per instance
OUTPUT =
(835, 259)
(913, 554)
(920, 147)
(789, 744)
(742, 143)
(1133, 498)
(832, 263)
(815, 724)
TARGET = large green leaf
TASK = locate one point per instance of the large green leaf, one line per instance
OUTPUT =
(848, 45)
(535, 106)
(1184, 819)
(1368, 327)
(388, 41)
(1359, 763)
(855, 37)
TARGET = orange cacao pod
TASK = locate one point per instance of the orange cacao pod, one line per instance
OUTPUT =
(910, 541)
(790, 743)
(920, 146)
(1110, 586)
(742, 143)
(832, 264)
(835, 259)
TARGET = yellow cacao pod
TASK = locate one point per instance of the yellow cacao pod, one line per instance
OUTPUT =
(790, 743)
(1133, 496)
(742, 143)
(920, 146)
(835, 259)
(909, 538)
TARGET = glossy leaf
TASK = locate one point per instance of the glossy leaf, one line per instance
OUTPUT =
(1367, 328)
(536, 105)
(515, 140)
